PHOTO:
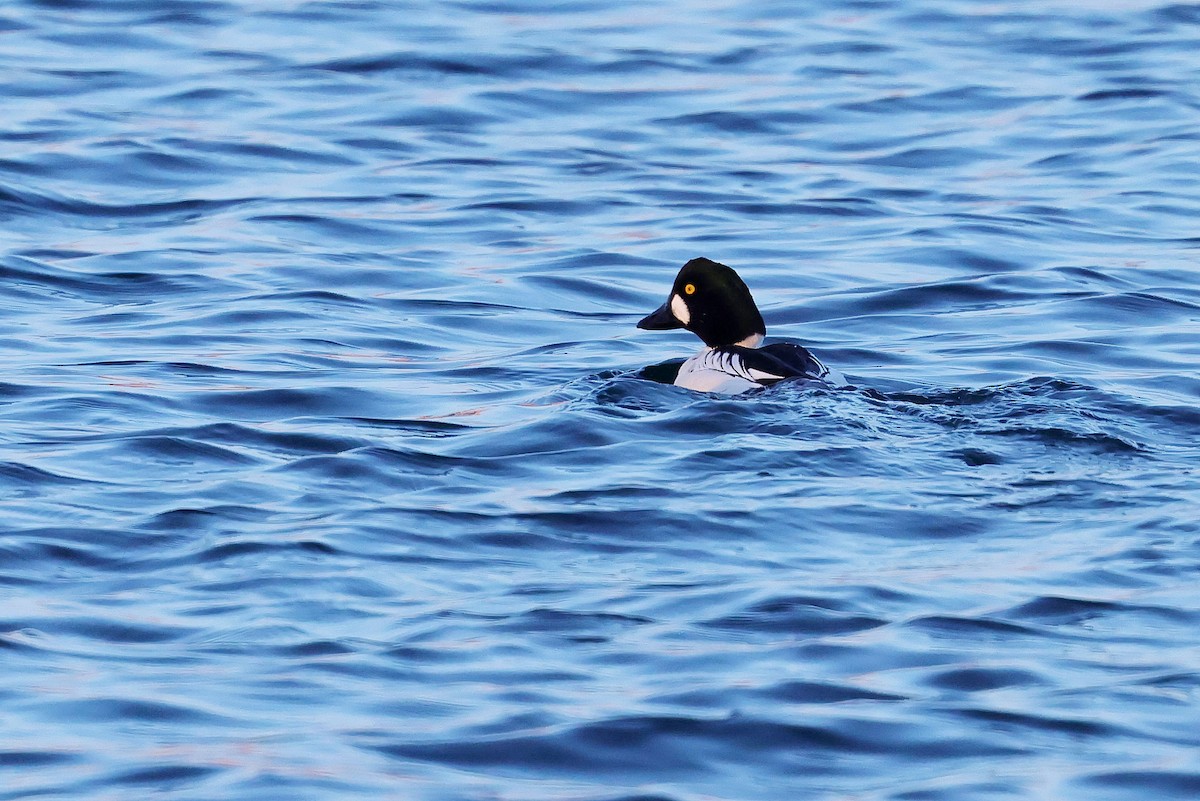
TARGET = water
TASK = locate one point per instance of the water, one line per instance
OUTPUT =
(328, 470)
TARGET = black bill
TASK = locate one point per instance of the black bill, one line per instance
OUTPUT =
(661, 319)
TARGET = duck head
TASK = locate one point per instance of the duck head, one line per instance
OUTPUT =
(710, 300)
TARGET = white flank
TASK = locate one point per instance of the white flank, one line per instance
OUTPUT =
(713, 371)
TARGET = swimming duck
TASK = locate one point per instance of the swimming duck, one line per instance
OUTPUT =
(711, 300)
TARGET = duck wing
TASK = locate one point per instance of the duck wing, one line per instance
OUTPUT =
(777, 361)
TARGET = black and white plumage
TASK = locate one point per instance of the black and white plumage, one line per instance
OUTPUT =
(711, 300)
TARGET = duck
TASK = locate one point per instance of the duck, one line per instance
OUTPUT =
(713, 302)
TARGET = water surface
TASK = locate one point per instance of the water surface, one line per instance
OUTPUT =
(327, 468)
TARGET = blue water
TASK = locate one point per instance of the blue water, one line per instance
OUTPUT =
(328, 469)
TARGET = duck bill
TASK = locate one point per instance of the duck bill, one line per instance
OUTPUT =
(661, 319)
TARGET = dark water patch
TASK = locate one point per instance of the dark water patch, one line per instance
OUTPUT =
(985, 629)
(327, 228)
(109, 631)
(236, 551)
(541, 206)
(923, 158)
(36, 548)
(314, 649)
(165, 777)
(795, 616)
(1130, 93)
(974, 457)
(958, 296)
(961, 99)
(759, 123)
(1071, 611)
(1161, 783)
(162, 213)
(596, 291)
(102, 710)
(13, 475)
(507, 65)
(249, 152)
(424, 428)
(804, 692)
(438, 118)
(272, 404)
(1099, 441)
(197, 519)
(974, 680)
(1039, 724)
(582, 627)
(1185, 13)
(34, 759)
(643, 746)
(834, 207)
(116, 287)
(278, 442)
(176, 450)
(202, 96)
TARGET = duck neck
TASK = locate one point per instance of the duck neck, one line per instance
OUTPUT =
(752, 341)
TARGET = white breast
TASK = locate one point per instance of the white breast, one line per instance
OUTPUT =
(713, 371)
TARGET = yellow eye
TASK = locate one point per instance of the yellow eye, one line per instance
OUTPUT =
(689, 289)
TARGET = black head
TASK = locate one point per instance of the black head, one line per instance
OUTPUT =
(710, 300)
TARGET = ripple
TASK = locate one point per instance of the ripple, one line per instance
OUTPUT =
(975, 680)
(1164, 783)
(795, 615)
(34, 759)
(1078, 610)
